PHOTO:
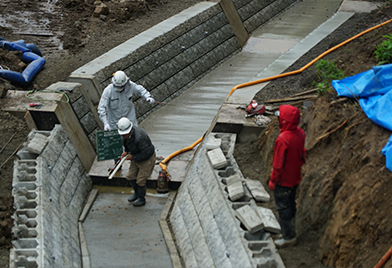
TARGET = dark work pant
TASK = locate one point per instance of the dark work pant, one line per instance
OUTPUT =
(287, 207)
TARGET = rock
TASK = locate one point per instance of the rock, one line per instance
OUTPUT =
(102, 9)
(3, 92)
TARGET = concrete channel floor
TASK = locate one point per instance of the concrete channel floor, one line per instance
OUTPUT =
(119, 235)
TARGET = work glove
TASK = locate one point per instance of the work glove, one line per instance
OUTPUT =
(106, 127)
(271, 185)
(150, 100)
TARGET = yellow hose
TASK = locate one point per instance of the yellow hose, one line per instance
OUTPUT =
(164, 161)
(307, 65)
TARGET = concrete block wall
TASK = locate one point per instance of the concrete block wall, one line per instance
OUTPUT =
(203, 218)
(49, 188)
(173, 55)
(254, 13)
(84, 109)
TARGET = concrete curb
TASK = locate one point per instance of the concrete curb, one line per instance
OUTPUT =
(167, 233)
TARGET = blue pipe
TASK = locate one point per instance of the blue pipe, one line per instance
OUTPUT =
(31, 54)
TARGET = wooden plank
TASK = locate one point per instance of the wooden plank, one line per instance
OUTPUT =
(76, 134)
(307, 97)
(235, 21)
(30, 121)
(305, 92)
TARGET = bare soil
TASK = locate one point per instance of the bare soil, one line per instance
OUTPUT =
(344, 215)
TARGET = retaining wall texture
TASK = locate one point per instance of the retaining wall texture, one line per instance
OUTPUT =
(84, 109)
(49, 188)
(210, 228)
(173, 55)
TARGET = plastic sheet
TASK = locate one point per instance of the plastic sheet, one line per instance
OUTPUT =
(373, 89)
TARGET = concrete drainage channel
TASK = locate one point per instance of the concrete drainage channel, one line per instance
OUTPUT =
(215, 217)
(216, 212)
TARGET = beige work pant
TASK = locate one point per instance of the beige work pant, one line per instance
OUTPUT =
(141, 171)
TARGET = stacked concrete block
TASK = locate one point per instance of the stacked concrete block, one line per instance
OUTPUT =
(270, 222)
(217, 158)
(213, 229)
(258, 191)
(83, 107)
(254, 13)
(235, 187)
(173, 55)
(249, 218)
(49, 193)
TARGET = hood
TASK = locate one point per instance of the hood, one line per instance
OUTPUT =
(288, 117)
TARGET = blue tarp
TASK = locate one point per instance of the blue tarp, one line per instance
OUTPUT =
(373, 88)
(31, 54)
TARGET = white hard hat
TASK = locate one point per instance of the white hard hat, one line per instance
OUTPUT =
(124, 126)
(119, 80)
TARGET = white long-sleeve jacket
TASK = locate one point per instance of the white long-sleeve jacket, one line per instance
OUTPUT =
(114, 105)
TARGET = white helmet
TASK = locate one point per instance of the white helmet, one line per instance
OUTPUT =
(119, 80)
(124, 126)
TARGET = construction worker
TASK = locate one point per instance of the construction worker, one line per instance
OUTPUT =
(289, 156)
(141, 152)
(116, 101)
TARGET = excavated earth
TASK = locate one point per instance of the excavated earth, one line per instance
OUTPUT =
(344, 215)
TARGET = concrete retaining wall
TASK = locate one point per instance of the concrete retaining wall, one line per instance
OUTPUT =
(215, 224)
(84, 109)
(50, 186)
(173, 55)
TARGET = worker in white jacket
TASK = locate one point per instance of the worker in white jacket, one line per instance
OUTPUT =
(116, 101)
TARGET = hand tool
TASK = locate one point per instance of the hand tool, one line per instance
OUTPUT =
(118, 167)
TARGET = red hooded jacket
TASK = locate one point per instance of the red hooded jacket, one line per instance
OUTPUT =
(289, 150)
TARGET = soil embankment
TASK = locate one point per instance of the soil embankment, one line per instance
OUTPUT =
(344, 210)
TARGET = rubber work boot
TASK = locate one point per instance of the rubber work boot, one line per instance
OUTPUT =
(141, 201)
(135, 189)
(283, 243)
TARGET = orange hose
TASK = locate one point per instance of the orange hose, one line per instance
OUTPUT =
(164, 161)
(384, 259)
(307, 65)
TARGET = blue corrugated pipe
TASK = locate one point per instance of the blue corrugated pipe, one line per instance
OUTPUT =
(31, 54)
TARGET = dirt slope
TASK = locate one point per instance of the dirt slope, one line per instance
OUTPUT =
(344, 215)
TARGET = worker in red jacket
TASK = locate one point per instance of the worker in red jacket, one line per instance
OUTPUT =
(289, 156)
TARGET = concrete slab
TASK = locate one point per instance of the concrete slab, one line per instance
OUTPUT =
(249, 218)
(121, 235)
(270, 222)
(217, 158)
(176, 169)
(231, 114)
(37, 143)
(236, 191)
(257, 190)
(359, 6)
(312, 38)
